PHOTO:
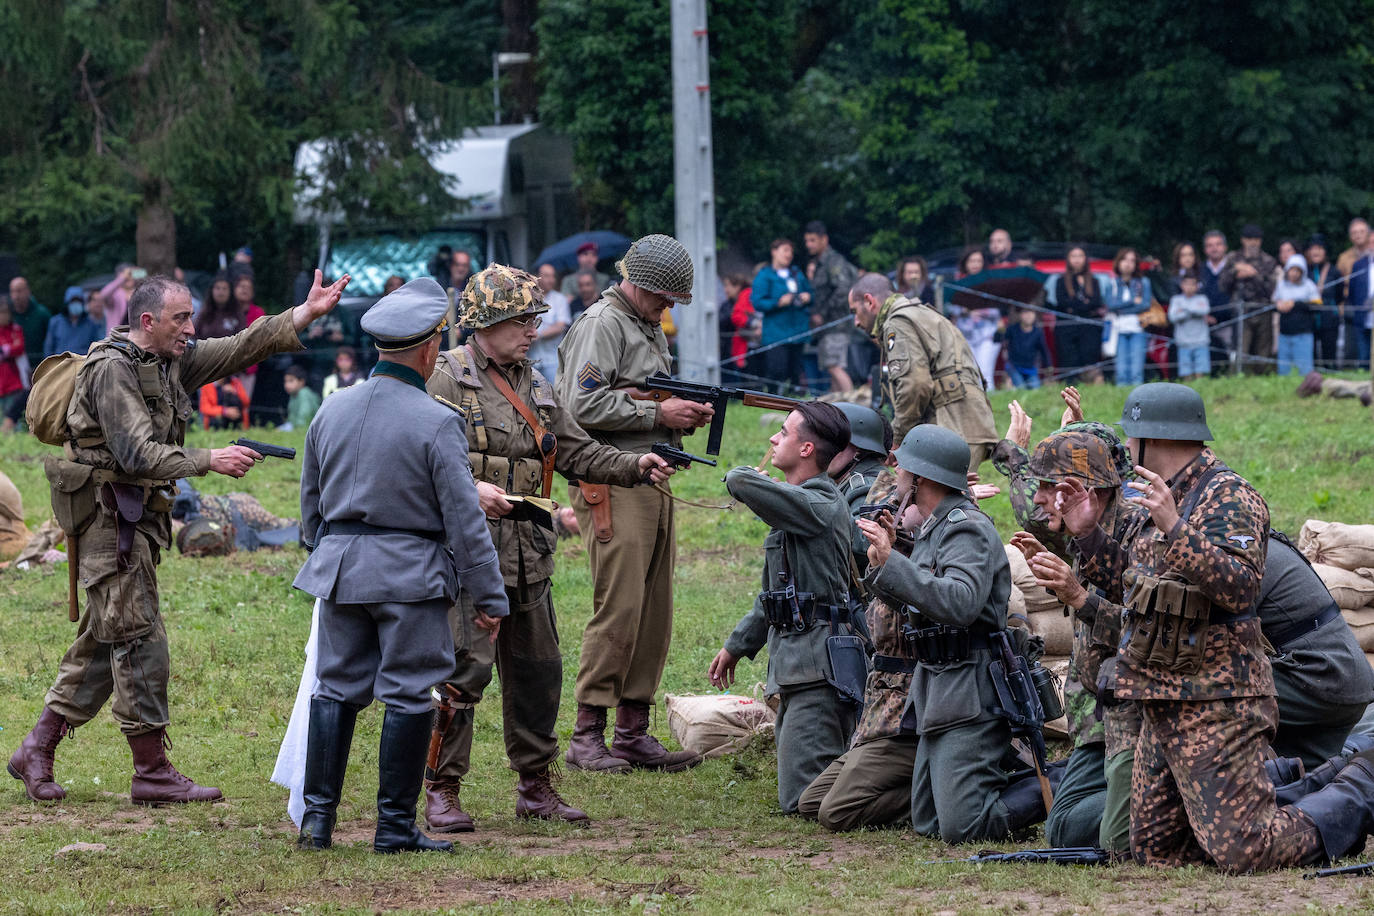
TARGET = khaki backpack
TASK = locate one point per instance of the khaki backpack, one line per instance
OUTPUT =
(51, 393)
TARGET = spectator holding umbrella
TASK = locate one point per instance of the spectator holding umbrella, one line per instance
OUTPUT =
(1127, 296)
(588, 253)
(979, 326)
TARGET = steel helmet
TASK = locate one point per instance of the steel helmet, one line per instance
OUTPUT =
(937, 454)
(499, 292)
(1165, 410)
(1075, 453)
(661, 265)
(867, 428)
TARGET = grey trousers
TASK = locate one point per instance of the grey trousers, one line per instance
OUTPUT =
(957, 783)
(870, 786)
(813, 728)
(1076, 817)
(391, 651)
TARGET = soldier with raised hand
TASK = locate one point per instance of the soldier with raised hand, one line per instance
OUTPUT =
(956, 582)
(805, 594)
(393, 522)
(929, 374)
(615, 345)
(1189, 569)
(128, 430)
(517, 436)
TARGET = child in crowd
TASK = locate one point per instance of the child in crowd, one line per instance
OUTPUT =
(346, 373)
(1027, 351)
(1189, 313)
(304, 401)
(1294, 296)
(224, 404)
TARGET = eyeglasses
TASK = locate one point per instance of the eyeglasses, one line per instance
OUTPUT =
(529, 321)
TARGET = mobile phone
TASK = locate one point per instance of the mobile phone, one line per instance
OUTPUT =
(138, 273)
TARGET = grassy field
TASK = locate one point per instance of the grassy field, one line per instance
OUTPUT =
(706, 841)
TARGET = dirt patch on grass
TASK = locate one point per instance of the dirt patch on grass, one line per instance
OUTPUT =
(417, 894)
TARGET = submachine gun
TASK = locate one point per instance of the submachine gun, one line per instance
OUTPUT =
(659, 387)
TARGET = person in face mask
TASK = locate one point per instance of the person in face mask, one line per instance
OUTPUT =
(71, 330)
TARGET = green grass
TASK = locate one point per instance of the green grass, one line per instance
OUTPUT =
(705, 841)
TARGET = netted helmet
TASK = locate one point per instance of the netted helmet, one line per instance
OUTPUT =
(202, 537)
(937, 454)
(499, 292)
(1075, 453)
(1165, 410)
(866, 428)
(661, 265)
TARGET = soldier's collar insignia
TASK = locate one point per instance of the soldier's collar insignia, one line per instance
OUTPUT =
(956, 515)
(1242, 539)
(589, 377)
(1135, 412)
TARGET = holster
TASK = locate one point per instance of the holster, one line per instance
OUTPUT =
(125, 502)
(598, 497)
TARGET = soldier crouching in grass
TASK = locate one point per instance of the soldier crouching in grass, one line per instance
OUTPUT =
(805, 597)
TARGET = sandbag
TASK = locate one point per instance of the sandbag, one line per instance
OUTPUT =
(1336, 544)
(1055, 628)
(1351, 590)
(1362, 623)
(13, 533)
(1016, 609)
(1037, 597)
(717, 724)
(1369, 657)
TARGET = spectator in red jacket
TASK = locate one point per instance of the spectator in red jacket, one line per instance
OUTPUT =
(224, 404)
(740, 324)
(11, 351)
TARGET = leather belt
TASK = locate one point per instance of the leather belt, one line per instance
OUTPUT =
(354, 526)
(1297, 630)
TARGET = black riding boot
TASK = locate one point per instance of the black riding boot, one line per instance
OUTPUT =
(326, 757)
(401, 770)
(1344, 810)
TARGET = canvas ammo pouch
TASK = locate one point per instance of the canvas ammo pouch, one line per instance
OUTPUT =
(949, 387)
(1168, 625)
(73, 494)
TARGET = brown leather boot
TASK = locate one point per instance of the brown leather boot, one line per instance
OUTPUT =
(587, 749)
(634, 743)
(33, 761)
(156, 781)
(443, 811)
(535, 796)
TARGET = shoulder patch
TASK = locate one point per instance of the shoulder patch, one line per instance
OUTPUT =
(891, 340)
(447, 403)
(590, 377)
(957, 515)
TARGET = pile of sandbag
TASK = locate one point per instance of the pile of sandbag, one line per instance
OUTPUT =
(718, 724)
(1343, 556)
(1044, 613)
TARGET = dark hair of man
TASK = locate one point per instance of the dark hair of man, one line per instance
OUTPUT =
(874, 284)
(778, 243)
(297, 371)
(1214, 234)
(887, 436)
(150, 295)
(826, 427)
(815, 227)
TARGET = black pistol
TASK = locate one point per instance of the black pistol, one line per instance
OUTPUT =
(677, 457)
(267, 449)
(873, 510)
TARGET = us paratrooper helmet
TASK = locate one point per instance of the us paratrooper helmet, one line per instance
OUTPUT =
(498, 292)
(659, 264)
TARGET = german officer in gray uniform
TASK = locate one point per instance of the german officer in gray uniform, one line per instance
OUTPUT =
(391, 515)
(956, 582)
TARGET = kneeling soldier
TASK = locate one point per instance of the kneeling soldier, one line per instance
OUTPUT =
(518, 436)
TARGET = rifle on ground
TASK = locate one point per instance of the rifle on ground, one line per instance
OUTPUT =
(1364, 868)
(676, 457)
(267, 449)
(659, 387)
(1067, 855)
(1020, 705)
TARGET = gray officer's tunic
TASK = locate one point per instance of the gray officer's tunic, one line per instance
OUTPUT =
(957, 575)
(813, 726)
(388, 463)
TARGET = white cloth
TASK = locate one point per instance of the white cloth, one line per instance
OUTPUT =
(290, 769)
(544, 353)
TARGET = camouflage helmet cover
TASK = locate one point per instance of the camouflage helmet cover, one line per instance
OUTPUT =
(661, 265)
(499, 292)
(1076, 453)
(202, 537)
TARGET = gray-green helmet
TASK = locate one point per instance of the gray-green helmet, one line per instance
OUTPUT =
(661, 265)
(937, 454)
(497, 293)
(1165, 410)
(867, 428)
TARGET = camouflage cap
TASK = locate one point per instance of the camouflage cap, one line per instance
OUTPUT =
(499, 292)
(1074, 453)
(202, 537)
(661, 265)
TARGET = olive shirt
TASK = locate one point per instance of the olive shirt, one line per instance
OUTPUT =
(929, 373)
(610, 347)
(502, 450)
(957, 575)
(816, 522)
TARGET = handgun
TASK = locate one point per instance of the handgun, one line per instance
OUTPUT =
(267, 449)
(677, 457)
(873, 510)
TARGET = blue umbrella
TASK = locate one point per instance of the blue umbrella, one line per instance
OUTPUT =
(563, 254)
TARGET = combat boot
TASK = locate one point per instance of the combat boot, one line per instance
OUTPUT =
(443, 811)
(156, 781)
(634, 743)
(400, 770)
(536, 797)
(587, 749)
(1311, 384)
(1343, 811)
(326, 757)
(1287, 793)
(33, 761)
(1024, 800)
